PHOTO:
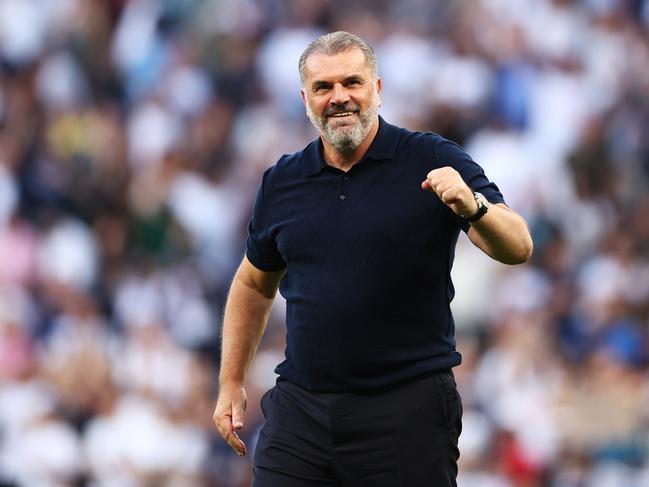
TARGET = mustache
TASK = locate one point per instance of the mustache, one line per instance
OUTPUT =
(347, 107)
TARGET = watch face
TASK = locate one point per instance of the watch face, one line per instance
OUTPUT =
(483, 206)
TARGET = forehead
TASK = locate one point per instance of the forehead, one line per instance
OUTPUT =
(323, 67)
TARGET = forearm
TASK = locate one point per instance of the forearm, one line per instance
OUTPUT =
(503, 235)
(246, 315)
(500, 233)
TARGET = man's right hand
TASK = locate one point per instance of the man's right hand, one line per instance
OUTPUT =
(228, 415)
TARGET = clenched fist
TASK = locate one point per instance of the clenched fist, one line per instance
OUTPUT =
(449, 186)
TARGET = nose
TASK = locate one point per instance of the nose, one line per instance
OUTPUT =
(339, 95)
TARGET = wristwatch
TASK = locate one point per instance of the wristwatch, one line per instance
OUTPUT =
(483, 207)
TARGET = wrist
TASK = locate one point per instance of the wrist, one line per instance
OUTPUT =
(231, 383)
(481, 208)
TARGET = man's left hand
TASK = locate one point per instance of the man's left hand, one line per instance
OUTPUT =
(449, 186)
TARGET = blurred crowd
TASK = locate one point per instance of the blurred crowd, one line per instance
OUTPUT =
(133, 135)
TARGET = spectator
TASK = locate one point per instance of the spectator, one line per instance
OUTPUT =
(127, 171)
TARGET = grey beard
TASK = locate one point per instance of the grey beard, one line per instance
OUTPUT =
(346, 141)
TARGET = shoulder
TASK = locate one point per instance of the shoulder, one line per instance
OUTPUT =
(288, 166)
(291, 163)
(430, 146)
(432, 143)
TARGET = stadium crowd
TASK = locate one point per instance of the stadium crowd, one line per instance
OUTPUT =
(133, 135)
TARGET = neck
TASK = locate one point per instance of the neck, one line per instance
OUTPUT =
(345, 161)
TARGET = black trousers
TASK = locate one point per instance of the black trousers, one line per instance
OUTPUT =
(403, 437)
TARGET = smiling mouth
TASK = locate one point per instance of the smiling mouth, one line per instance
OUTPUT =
(342, 114)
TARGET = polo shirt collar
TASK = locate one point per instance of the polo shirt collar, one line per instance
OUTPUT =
(382, 148)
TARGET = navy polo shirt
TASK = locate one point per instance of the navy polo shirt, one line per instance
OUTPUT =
(368, 258)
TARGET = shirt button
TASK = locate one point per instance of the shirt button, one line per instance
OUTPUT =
(342, 196)
(346, 178)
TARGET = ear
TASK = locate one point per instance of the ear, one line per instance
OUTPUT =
(379, 87)
(302, 96)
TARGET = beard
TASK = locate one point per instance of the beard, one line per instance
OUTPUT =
(346, 138)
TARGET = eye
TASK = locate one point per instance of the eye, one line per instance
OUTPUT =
(353, 82)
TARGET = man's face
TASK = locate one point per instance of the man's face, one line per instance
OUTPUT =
(342, 97)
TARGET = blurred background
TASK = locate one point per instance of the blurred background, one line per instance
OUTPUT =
(133, 135)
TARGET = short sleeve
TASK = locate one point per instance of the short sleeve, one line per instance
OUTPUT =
(451, 154)
(261, 246)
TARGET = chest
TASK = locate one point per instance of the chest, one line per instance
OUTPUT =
(378, 210)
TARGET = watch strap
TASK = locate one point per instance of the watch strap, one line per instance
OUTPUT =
(483, 207)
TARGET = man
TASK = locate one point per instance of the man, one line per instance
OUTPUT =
(366, 396)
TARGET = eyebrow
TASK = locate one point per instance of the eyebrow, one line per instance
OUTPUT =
(351, 78)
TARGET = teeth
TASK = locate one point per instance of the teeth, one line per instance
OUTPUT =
(344, 114)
